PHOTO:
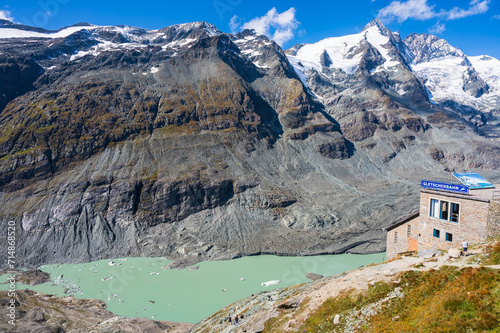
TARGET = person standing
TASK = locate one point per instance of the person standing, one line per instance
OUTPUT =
(465, 245)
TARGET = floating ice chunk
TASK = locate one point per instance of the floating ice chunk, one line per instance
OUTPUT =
(111, 296)
(270, 283)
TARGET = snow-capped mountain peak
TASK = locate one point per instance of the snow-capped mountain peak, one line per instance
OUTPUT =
(469, 86)
(79, 40)
(348, 53)
(380, 26)
(452, 78)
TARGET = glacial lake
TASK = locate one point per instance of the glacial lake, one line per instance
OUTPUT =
(140, 287)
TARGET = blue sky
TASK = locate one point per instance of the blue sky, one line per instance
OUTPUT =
(473, 26)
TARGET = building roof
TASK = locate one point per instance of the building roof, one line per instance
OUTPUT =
(401, 221)
(485, 194)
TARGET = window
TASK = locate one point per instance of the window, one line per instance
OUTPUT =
(444, 210)
(455, 208)
(395, 236)
(408, 233)
(436, 233)
(434, 208)
(449, 237)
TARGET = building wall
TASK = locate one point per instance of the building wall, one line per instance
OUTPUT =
(494, 220)
(472, 225)
(393, 247)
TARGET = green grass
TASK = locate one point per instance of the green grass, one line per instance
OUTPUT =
(446, 300)
(493, 257)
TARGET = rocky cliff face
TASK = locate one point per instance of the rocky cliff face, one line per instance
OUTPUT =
(193, 144)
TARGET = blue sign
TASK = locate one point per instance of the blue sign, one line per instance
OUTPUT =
(445, 186)
(473, 180)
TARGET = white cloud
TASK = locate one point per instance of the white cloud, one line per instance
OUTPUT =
(476, 7)
(280, 27)
(421, 10)
(5, 15)
(437, 28)
(496, 17)
(234, 23)
(411, 9)
(283, 36)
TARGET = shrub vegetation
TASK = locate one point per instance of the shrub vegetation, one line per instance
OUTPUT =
(445, 300)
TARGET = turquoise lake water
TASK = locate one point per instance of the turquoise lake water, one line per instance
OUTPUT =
(139, 287)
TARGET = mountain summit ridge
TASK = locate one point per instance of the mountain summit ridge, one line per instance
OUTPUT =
(444, 70)
(377, 23)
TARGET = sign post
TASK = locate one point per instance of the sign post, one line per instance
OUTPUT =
(462, 189)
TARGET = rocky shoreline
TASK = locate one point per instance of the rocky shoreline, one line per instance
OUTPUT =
(36, 312)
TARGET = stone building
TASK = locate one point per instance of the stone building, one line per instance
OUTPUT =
(444, 219)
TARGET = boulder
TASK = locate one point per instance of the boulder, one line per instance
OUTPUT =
(314, 276)
(453, 253)
(427, 253)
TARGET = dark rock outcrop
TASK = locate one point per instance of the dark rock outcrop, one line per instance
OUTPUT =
(325, 59)
(473, 84)
(18, 75)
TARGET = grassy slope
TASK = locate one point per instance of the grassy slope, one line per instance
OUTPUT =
(445, 300)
